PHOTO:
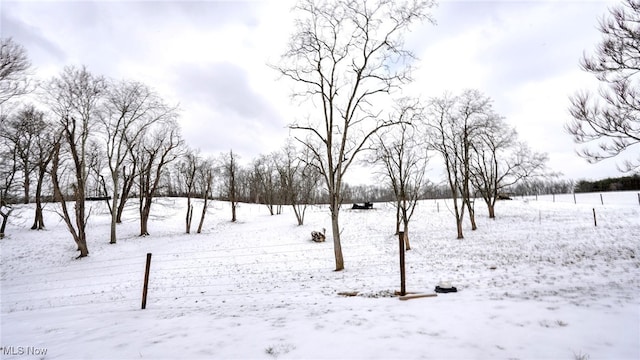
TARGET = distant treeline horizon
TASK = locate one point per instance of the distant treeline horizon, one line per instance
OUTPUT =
(609, 184)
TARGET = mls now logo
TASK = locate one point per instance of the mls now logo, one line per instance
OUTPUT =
(22, 350)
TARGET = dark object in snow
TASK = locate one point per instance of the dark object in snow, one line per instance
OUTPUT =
(97, 198)
(366, 206)
(504, 197)
(446, 289)
(318, 236)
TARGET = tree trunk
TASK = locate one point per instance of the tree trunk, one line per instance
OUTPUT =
(233, 211)
(114, 209)
(189, 217)
(459, 227)
(127, 184)
(472, 216)
(337, 247)
(81, 221)
(144, 218)
(5, 217)
(27, 186)
(492, 211)
(38, 221)
(398, 218)
(121, 204)
(204, 212)
(407, 245)
(299, 215)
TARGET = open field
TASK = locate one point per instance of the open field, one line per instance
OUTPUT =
(540, 281)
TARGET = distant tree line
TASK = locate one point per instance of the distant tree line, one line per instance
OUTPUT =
(609, 184)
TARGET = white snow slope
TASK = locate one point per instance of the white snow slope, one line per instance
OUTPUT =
(260, 288)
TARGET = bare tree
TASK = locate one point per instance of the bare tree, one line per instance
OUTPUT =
(230, 188)
(8, 170)
(299, 179)
(14, 81)
(130, 108)
(347, 55)
(74, 98)
(46, 139)
(14, 70)
(612, 117)
(268, 183)
(500, 161)
(400, 150)
(453, 125)
(129, 175)
(21, 130)
(188, 168)
(159, 147)
(205, 181)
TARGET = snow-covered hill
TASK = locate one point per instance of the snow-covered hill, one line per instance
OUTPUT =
(540, 281)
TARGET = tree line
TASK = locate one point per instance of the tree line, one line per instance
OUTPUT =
(609, 184)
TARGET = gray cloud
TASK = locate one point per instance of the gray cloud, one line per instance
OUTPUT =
(234, 115)
(31, 37)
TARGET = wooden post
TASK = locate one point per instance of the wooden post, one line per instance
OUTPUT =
(403, 290)
(638, 198)
(595, 223)
(146, 282)
(438, 204)
(601, 201)
(574, 198)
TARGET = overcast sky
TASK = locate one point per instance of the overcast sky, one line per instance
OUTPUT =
(211, 57)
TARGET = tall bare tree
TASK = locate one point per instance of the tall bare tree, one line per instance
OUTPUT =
(130, 108)
(402, 152)
(160, 146)
(44, 142)
(231, 174)
(611, 118)
(14, 70)
(188, 167)
(346, 56)
(74, 98)
(205, 182)
(454, 124)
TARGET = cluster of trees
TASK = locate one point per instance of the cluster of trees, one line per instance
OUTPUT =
(80, 136)
(346, 57)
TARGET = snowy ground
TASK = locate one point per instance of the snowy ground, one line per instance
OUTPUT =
(561, 287)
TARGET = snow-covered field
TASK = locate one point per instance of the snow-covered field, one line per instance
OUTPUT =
(541, 281)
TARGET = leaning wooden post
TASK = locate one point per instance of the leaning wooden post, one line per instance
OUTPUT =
(403, 290)
(601, 201)
(574, 198)
(146, 282)
(595, 223)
